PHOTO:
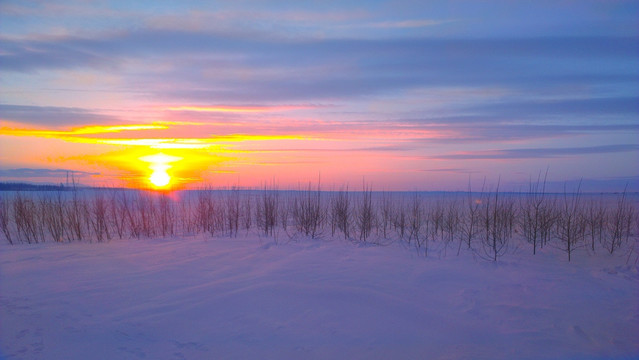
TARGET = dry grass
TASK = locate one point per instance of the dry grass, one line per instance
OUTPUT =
(488, 223)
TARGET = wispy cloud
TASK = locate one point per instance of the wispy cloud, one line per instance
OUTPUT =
(52, 115)
(536, 153)
(404, 24)
(592, 106)
(212, 143)
(484, 132)
(449, 170)
(240, 109)
(259, 69)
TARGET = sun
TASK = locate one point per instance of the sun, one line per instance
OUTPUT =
(159, 164)
(160, 178)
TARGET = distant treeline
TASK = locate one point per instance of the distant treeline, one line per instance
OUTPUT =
(10, 186)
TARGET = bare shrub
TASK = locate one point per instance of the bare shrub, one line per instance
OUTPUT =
(25, 214)
(147, 211)
(451, 220)
(205, 210)
(416, 221)
(210, 212)
(98, 217)
(436, 218)
(365, 214)
(570, 227)
(267, 210)
(284, 212)
(131, 215)
(399, 219)
(232, 211)
(385, 213)
(469, 221)
(188, 217)
(496, 225)
(202, 215)
(596, 217)
(74, 215)
(307, 211)
(52, 214)
(118, 212)
(619, 224)
(341, 212)
(547, 219)
(531, 207)
(5, 219)
(247, 211)
(166, 215)
(510, 214)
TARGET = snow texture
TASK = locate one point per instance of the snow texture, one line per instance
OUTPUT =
(250, 298)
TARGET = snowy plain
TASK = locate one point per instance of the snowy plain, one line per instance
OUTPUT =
(203, 297)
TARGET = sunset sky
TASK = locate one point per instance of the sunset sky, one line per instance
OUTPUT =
(407, 95)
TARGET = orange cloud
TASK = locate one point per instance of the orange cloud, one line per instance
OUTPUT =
(189, 143)
(85, 130)
(217, 152)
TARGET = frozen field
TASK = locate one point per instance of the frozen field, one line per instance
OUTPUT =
(248, 298)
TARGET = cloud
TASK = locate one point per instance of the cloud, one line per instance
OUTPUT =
(452, 170)
(407, 24)
(240, 109)
(232, 66)
(507, 132)
(51, 115)
(480, 129)
(76, 134)
(623, 105)
(536, 153)
(345, 69)
(370, 149)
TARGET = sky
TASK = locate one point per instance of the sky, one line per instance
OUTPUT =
(402, 95)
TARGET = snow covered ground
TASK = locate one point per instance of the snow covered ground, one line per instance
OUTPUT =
(249, 298)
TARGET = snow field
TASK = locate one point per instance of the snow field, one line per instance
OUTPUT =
(248, 297)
